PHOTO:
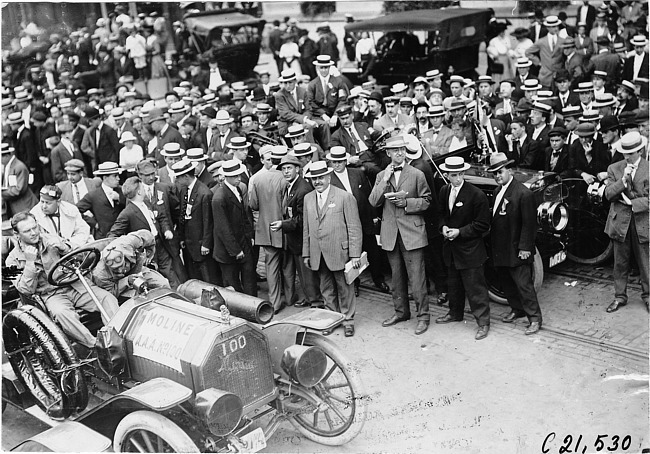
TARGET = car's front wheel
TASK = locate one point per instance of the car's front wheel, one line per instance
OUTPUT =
(146, 431)
(342, 413)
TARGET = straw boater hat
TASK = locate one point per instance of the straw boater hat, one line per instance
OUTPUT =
(454, 164)
(318, 169)
(627, 85)
(183, 166)
(232, 168)
(434, 73)
(639, 40)
(531, 84)
(323, 60)
(178, 107)
(196, 154)
(600, 74)
(523, 62)
(399, 87)
(108, 168)
(118, 113)
(6, 149)
(552, 21)
(303, 149)
(413, 147)
(485, 79)
(395, 142)
(295, 131)
(571, 111)
(436, 111)
(631, 142)
(172, 149)
(590, 115)
(455, 78)
(337, 154)
(498, 161)
(584, 87)
(15, 118)
(238, 142)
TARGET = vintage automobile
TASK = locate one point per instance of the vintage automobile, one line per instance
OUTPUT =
(410, 43)
(69, 436)
(205, 35)
(198, 369)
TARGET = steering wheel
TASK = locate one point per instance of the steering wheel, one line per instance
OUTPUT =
(64, 271)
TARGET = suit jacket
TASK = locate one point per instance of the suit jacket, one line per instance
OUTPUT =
(131, 219)
(333, 232)
(288, 111)
(542, 140)
(432, 214)
(586, 47)
(527, 155)
(620, 214)
(574, 66)
(572, 100)
(17, 195)
(196, 229)
(66, 188)
(292, 214)
(26, 152)
(165, 200)
(109, 145)
(439, 145)
(319, 103)
(551, 61)
(106, 72)
(578, 161)
(70, 226)
(220, 152)
(361, 191)
(105, 213)
(124, 69)
(628, 68)
(233, 225)
(171, 135)
(608, 62)
(58, 158)
(513, 225)
(385, 122)
(265, 194)
(591, 15)
(471, 215)
(342, 138)
(562, 165)
(408, 221)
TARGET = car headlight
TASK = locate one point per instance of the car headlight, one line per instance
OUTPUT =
(553, 216)
(220, 410)
(305, 365)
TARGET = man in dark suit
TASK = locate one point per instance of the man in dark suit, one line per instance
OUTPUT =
(291, 226)
(404, 194)
(522, 149)
(331, 238)
(138, 216)
(588, 158)
(356, 183)
(627, 223)
(123, 65)
(165, 133)
(636, 66)
(16, 193)
(556, 156)
(233, 231)
(222, 134)
(64, 152)
(355, 138)
(464, 222)
(512, 238)
(538, 124)
(100, 142)
(107, 201)
(587, 14)
(195, 223)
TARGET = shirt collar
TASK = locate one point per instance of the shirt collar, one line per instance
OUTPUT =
(325, 193)
(191, 186)
(233, 189)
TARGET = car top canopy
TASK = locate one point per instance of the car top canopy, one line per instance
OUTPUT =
(202, 25)
(457, 27)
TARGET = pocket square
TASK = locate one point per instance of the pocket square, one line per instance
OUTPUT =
(160, 202)
(331, 205)
(459, 204)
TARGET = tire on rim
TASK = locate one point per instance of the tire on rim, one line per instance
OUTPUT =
(146, 431)
(343, 392)
(494, 289)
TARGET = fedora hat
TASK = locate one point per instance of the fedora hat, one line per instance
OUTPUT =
(118, 113)
(323, 60)
(223, 118)
(156, 114)
(303, 149)
(627, 118)
(196, 154)
(413, 147)
(436, 111)
(585, 130)
(108, 168)
(531, 84)
(74, 165)
(639, 40)
(288, 159)
(127, 136)
(295, 131)
(568, 43)
(318, 169)
(238, 142)
(631, 142)
(232, 168)
(552, 21)
(457, 104)
(498, 161)
(183, 166)
(454, 164)
(395, 142)
(172, 149)
(337, 154)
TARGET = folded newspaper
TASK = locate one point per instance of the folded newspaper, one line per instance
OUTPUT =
(352, 273)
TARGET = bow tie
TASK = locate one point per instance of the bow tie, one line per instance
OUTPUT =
(214, 70)
(398, 168)
(436, 131)
(222, 135)
(55, 215)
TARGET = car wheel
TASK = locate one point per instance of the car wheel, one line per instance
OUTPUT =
(494, 288)
(344, 395)
(146, 431)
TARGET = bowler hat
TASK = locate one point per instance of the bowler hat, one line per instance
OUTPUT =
(609, 122)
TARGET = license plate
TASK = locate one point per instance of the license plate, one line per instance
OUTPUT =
(254, 441)
(556, 259)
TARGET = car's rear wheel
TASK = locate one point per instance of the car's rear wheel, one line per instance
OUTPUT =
(494, 287)
(343, 394)
(146, 431)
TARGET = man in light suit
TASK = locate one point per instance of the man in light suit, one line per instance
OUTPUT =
(627, 223)
(331, 238)
(465, 221)
(404, 194)
(76, 186)
(291, 103)
(547, 52)
(513, 242)
(438, 138)
(16, 193)
(392, 119)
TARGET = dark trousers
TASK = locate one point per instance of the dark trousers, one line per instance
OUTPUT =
(165, 264)
(469, 282)
(206, 270)
(369, 244)
(275, 276)
(338, 294)
(623, 252)
(308, 279)
(408, 266)
(435, 264)
(241, 275)
(517, 284)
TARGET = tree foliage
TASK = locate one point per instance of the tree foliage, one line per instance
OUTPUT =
(313, 9)
(397, 6)
(529, 7)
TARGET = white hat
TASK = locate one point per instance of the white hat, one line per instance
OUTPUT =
(454, 164)
(126, 136)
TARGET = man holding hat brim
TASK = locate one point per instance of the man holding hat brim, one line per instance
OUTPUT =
(100, 141)
(547, 51)
(636, 66)
(464, 221)
(588, 158)
(332, 237)
(233, 231)
(107, 201)
(627, 223)
(512, 238)
(402, 194)
(64, 151)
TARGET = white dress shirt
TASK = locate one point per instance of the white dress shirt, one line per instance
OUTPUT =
(148, 214)
(499, 197)
(322, 197)
(109, 194)
(345, 180)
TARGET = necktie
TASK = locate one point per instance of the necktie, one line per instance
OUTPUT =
(354, 140)
(515, 150)
(295, 97)
(97, 138)
(321, 201)
(452, 198)
(54, 218)
(497, 200)
(588, 156)
(552, 42)
(76, 193)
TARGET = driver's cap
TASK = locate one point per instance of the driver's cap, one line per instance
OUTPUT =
(112, 256)
(50, 193)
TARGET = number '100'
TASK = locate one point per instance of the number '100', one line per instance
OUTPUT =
(233, 345)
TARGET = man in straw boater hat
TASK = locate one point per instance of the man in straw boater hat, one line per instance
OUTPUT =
(512, 237)
(636, 66)
(465, 220)
(233, 231)
(547, 51)
(403, 194)
(332, 237)
(105, 202)
(627, 223)
(195, 224)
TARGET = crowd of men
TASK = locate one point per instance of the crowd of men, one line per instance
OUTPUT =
(313, 172)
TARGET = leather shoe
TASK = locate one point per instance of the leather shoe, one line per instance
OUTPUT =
(392, 321)
(421, 327)
(511, 317)
(448, 319)
(282, 306)
(348, 330)
(482, 332)
(615, 305)
(442, 299)
(356, 290)
(533, 328)
(383, 287)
